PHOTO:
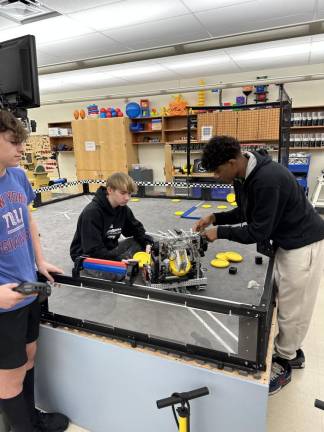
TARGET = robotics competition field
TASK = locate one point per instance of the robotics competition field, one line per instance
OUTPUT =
(231, 334)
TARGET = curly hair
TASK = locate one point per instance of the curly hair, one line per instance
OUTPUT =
(218, 151)
(8, 122)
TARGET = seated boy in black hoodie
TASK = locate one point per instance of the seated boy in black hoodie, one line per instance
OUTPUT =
(105, 218)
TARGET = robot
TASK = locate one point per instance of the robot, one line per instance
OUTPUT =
(175, 262)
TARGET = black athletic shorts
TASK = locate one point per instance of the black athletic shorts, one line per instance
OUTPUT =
(18, 328)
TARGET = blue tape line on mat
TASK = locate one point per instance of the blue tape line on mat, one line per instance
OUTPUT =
(104, 268)
(187, 212)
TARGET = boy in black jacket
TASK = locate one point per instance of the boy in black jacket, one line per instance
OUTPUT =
(279, 218)
(105, 218)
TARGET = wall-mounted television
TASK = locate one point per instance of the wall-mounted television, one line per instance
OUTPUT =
(18, 73)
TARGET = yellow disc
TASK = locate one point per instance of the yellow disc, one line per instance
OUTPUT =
(230, 197)
(234, 256)
(222, 206)
(219, 263)
(142, 258)
(234, 204)
(222, 256)
(174, 269)
(206, 206)
(176, 200)
(135, 199)
(179, 213)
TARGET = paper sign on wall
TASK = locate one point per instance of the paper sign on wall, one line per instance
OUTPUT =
(206, 133)
(90, 146)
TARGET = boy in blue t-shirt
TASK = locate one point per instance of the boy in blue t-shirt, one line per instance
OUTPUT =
(20, 253)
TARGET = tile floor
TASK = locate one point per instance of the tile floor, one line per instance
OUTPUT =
(292, 409)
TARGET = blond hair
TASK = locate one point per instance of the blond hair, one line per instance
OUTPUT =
(122, 182)
(8, 122)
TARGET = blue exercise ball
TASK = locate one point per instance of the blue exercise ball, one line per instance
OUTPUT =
(133, 110)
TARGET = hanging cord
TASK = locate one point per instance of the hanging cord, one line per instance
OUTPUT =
(175, 416)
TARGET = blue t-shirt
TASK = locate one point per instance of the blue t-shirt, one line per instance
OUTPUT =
(17, 259)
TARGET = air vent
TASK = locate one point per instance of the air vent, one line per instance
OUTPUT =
(23, 11)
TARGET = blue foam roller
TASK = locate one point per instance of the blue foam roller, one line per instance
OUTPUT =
(104, 268)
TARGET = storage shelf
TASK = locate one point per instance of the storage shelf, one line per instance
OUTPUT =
(175, 130)
(308, 127)
(145, 142)
(307, 148)
(147, 131)
(145, 118)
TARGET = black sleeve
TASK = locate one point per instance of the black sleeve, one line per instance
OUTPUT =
(134, 228)
(91, 230)
(231, 217)
(264, 218)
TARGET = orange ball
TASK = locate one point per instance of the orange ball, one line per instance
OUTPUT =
(82, 114)
(76, 114)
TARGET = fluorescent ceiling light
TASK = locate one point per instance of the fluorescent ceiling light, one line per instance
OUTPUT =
(268, 53)
(212, 4)
(57, 81)
(47, 30)
(129, 72)
(198, 62)
(317, 46)
(121, 14)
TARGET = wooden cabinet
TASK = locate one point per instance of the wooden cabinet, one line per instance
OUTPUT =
(102, 147)
(307, 128)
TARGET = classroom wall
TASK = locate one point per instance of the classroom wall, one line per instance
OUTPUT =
(152, 156)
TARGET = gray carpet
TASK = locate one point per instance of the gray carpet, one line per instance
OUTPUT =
(57, 223)
(226, 333)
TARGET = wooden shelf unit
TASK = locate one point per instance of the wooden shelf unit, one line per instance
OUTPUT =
(60, 141)
(173, 128)
(307, 127)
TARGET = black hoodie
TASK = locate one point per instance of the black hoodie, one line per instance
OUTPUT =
(100, 226)
(274, 207)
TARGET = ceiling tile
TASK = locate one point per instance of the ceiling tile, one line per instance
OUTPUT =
(253, 16)
(70, 6)
(320, 5)
(91, 45)
(165, 32)
(125, 14)
(58, 28)
(201, 5)
(5, 23)
(44, 59)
